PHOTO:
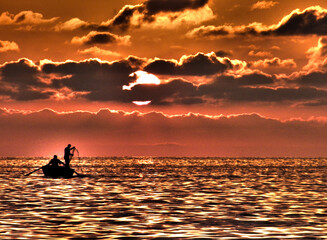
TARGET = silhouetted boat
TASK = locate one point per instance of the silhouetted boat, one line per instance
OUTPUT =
(55, 172)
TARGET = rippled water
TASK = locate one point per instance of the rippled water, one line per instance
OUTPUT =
(166, 198)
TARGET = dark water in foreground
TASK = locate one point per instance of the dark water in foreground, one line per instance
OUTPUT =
(166, 198)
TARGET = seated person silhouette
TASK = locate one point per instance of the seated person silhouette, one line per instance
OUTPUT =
(54, 162)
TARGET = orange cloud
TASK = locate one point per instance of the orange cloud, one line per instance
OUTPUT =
(274, 62)
(212, 32)
(27, 19)
(263, 5)
(8, 46)
(317, 56)
(70, 25)
(95, 51)
(164, 20)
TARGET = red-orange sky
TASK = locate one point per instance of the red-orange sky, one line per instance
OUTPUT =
(211, 77)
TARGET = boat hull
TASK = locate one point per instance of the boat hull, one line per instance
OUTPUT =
(55, 172)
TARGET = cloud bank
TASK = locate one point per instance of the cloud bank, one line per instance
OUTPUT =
(226, 81)
(120, 133)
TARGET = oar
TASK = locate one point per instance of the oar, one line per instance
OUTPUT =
(32, 171)
(77, 173)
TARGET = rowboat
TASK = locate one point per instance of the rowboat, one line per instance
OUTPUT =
(58, 171)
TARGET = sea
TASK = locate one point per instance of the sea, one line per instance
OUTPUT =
(166, 198)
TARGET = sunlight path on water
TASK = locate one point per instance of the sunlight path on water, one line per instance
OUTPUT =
(153, 198)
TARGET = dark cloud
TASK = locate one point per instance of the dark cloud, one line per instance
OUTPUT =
(312, 20)
(22, 72)
(318, 79)
(164, 67)
(20, 18)
(175, 91)
(101, 38)
(136, 62)
(228, 87)
(29, 95)
(101, 80)
(275, 94)
(21, 81)
(152, 7)
(242, 90)
(123, 18)
(253, 87)
(255, 79)
(195, 65)
(222, 53)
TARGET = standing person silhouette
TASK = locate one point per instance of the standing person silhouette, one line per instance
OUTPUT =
(68, 155)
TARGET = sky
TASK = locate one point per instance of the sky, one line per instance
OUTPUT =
(205, 78)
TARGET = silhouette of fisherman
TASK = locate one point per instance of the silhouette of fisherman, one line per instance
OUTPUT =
(54, 162)
(68, 155)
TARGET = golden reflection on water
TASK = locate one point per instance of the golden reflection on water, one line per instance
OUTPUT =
(160, 198)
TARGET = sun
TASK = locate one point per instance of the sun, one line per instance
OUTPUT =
(142, 77)
(141, 103)
(145, 78)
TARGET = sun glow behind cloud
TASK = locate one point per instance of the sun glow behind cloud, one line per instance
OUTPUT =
(142, 77)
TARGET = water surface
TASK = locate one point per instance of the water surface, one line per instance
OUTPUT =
(166, 198)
